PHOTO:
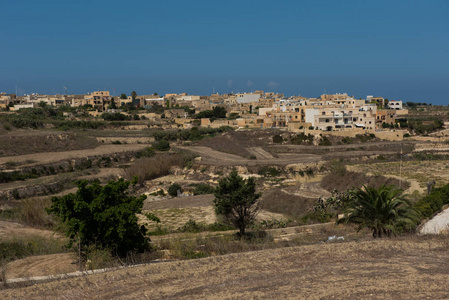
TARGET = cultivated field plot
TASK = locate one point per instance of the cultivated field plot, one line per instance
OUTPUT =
(406, 268)
(419, 171)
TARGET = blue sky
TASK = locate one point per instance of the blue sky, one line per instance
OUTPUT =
(396, 49)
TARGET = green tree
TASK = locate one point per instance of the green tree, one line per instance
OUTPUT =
(123, 96)
(113, 104)
(237, 201)
(104, 216)
(383, 210)
(219, 112)
(133, 95)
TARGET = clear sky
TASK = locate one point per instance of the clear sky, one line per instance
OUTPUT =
(396, 49)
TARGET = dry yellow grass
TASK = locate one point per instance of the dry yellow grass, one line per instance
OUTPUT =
(406, 268)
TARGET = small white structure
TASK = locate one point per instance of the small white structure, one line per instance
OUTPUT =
(393, 104)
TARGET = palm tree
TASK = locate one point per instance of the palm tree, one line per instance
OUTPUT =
(381, 210)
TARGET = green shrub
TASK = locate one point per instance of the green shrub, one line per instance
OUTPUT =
(347, 140)
(192, 226)
(324, 141)
(162, 145)
(433, 202)
(147, 152)
(115, 117)
(203, 188)
(269, 171)
(277, 139)
(173, 189)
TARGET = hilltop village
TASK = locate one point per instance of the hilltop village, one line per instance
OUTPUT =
(337, 114)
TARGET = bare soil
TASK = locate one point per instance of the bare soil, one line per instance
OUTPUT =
(16, 230)
(238, 142)
(42, 265)
(406, 268)
(22, 142)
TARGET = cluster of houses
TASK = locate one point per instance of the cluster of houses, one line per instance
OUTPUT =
(335, 112)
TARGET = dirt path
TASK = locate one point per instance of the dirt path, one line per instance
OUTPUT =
(49, 157)
(180, 202)
(260, 153)
(311, 190)
(213, 157)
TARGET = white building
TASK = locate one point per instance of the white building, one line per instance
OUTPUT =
(247, 97)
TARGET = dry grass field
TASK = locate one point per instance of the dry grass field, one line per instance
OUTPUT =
(49, 157)
(175, 212)
(404, 268)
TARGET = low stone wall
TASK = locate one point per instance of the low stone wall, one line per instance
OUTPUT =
(31, 191)
(126, 140)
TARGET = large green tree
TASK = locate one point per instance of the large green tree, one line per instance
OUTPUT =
(236, 200)
(383, 210)
(104, 216)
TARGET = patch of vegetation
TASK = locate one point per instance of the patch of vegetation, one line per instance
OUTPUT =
(162, 145)
(148, 168)
(342, 180)
(115, 117)
(424, 125)
(216, 113)
(15, 176)
(421, 156)
(203, 188)
(302, 139)
(434, 202)
(269, 171)
(192, 134)
(324, 141)
(147, 152)
(194, 227)
(17, 248)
